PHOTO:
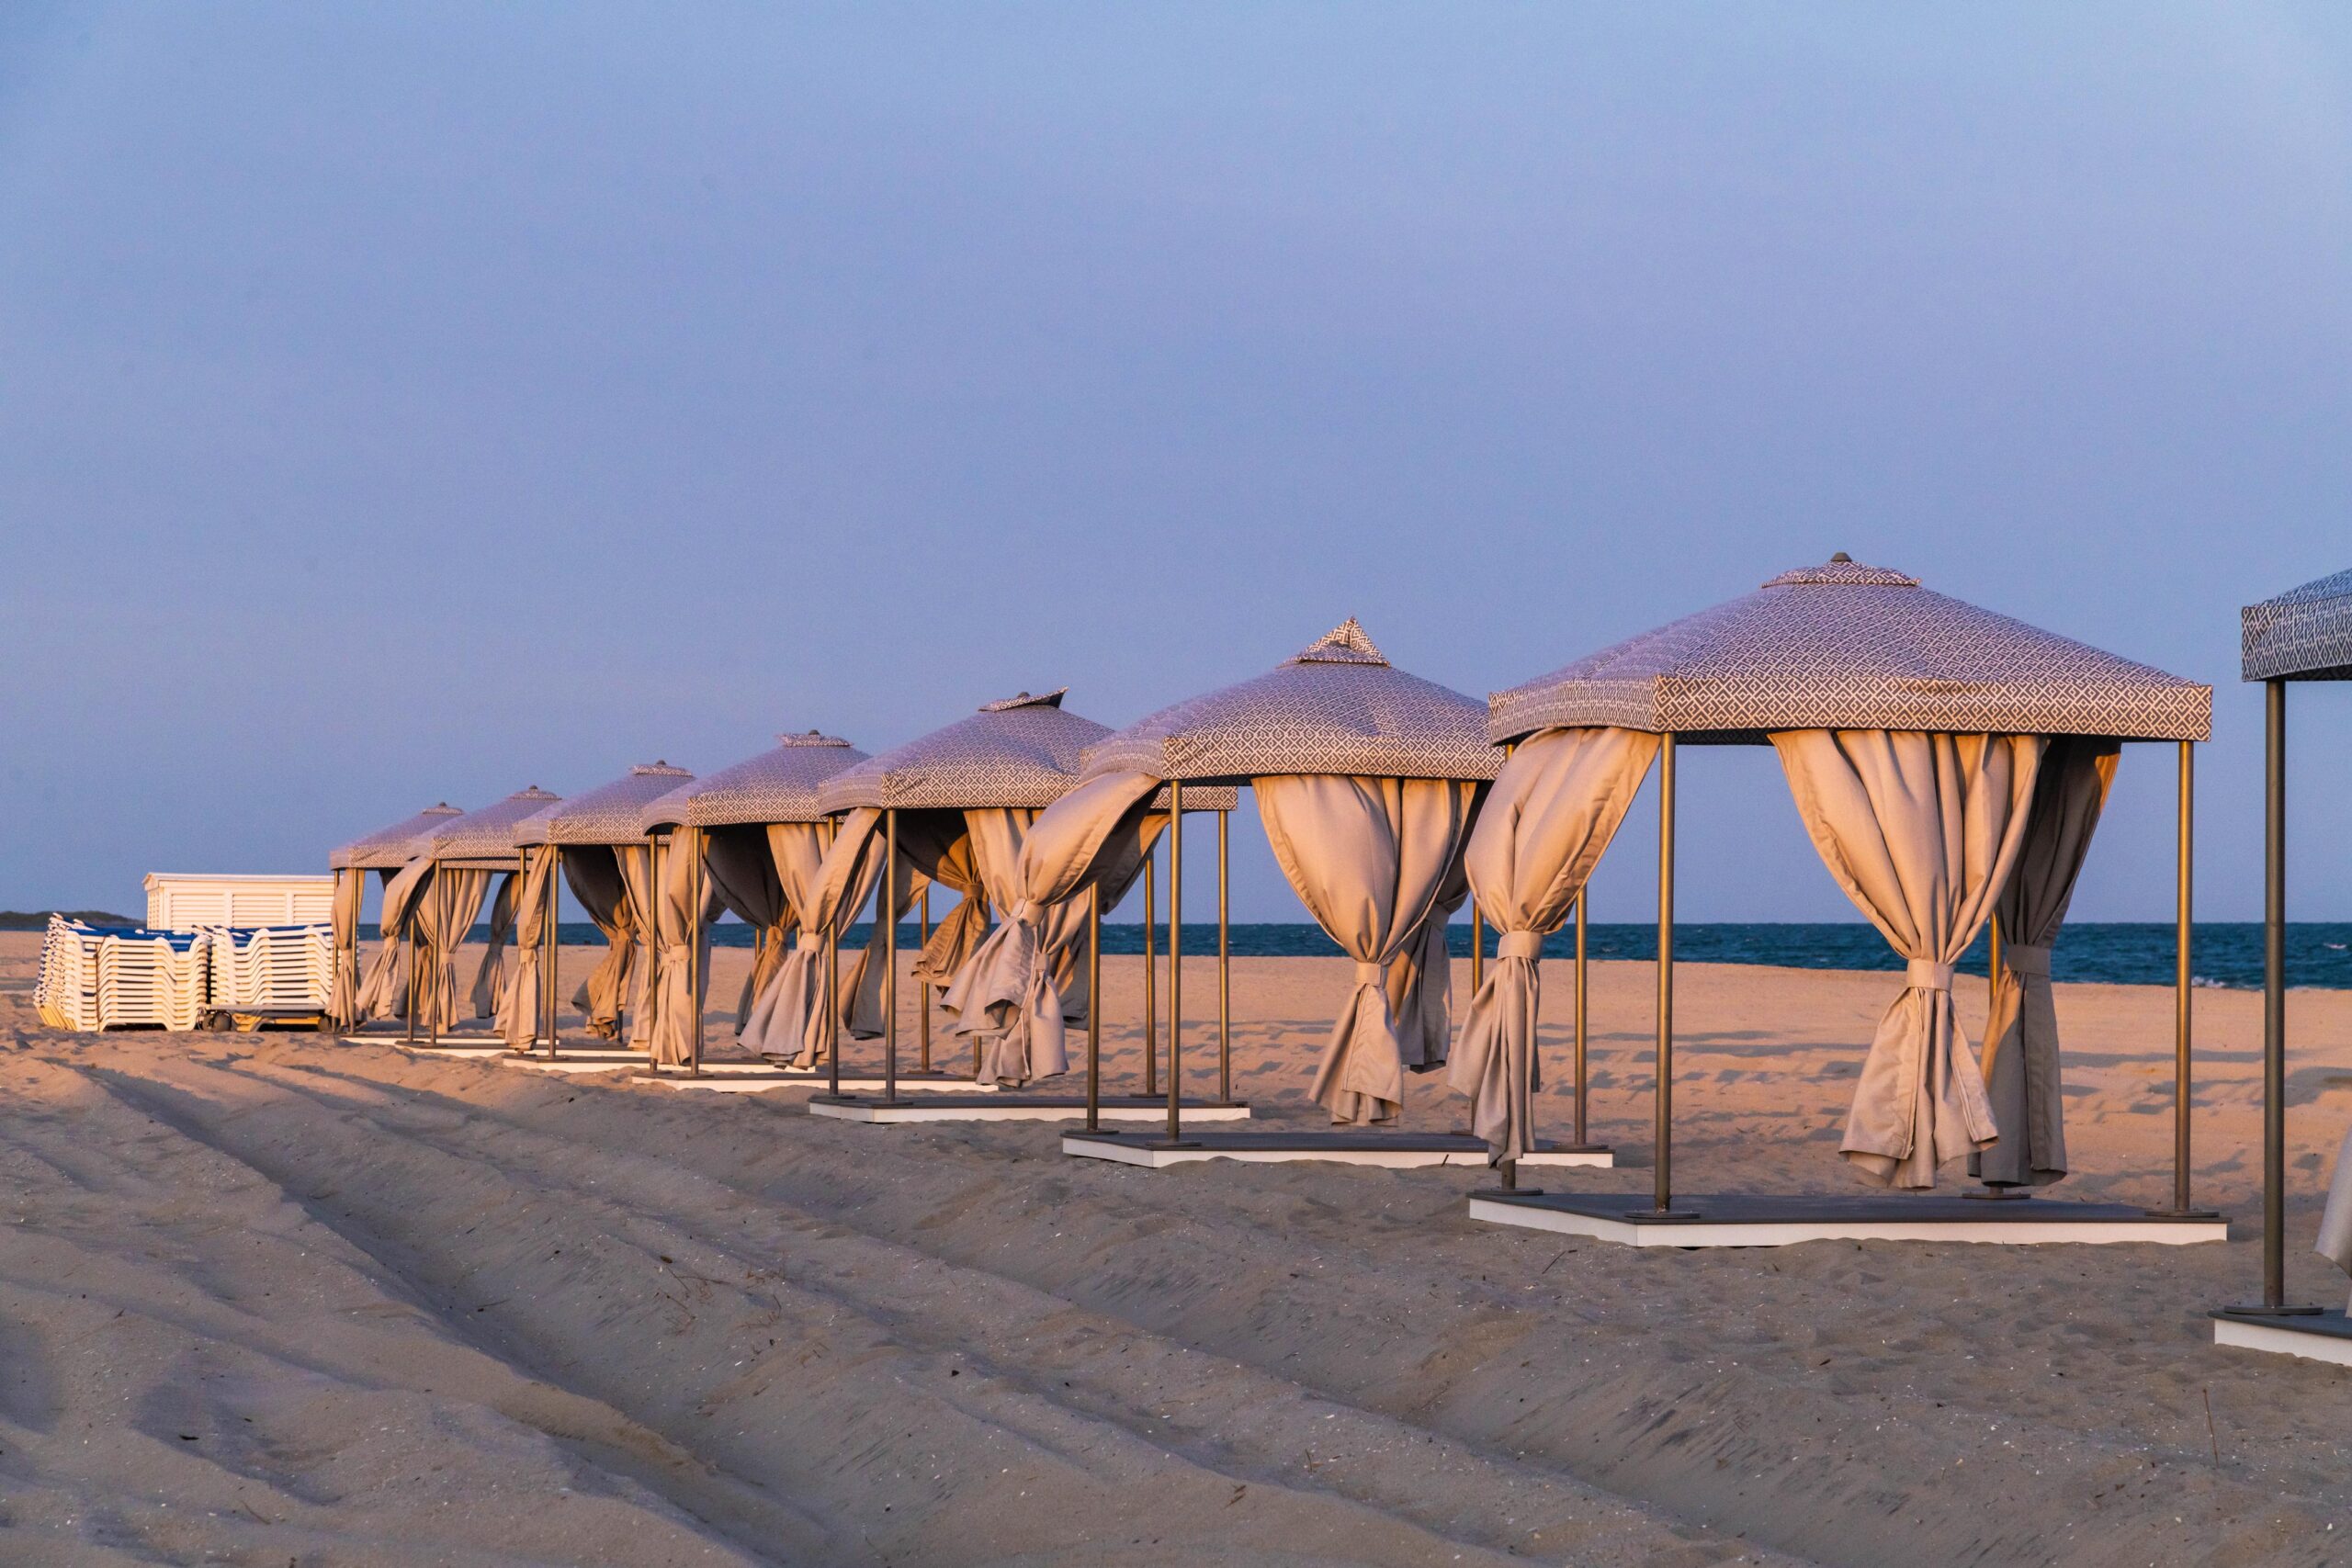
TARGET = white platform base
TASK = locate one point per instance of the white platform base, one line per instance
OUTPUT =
(1391, 1152)
(450, 1044)
(2324, 1337)
(1010, 1107)
(1745, 1220)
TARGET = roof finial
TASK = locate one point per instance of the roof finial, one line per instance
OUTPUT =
(1841, 556)
(1343, 644)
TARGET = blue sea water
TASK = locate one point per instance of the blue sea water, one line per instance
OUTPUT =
(2226, 954)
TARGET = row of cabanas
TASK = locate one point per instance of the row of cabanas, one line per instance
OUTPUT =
(1949, 763)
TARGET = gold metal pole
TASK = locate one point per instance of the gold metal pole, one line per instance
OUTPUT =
(694, 961)
(1151, 984)
(923, 988)
(1478, 947)
(1175, 955)
(1224, 964)
(555, 947)
(2184, 898)
(833, 976)
(1582, 1081)
(891, 957)
(652, 914)
(1094, 1009)
(1662, 1181)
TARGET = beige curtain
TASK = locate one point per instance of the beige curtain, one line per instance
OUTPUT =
(2021, 1072)
(950, 861)
(593, 874)
(2335, 1242)
(1421, 978)
(1921, 831)
(343, 996)
(1023, 986)
(384, 993)
(672, 1009)
(635, 864)
(743, 877)
(490, 975)
(446, 915)
(518, 991)
(828, 872)
(1368, 858)
(1547, 822)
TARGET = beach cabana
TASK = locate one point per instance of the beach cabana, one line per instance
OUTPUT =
(758, 836)
(959, 802)
(387, 851)
(1368, 780)
(2304, 635)
(1947, 763)
(594, 842)
(464, 856)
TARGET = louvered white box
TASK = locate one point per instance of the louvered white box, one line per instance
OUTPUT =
(176, 902)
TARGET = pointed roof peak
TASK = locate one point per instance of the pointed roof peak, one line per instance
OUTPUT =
(810, 737)
(1343, 644)
(1845, 571)
(1052, 699)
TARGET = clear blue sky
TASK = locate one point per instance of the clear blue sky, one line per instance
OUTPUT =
(409, 401)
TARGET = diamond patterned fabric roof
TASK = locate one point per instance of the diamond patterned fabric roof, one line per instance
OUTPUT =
(777, 786)
(2304, 633)
(485, 837)
(1336, 706)
(1023, 752)
(605, 815)
(386, 848)
(1846, 645)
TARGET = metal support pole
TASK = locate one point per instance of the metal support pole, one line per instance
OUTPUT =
(834, 977)
(891, 957)
(1662, 1180)
(695, 961)
(923, 988)
(1175, 956)
(1477, 947)
(1581, 1078)
(555, 947)
(2183, 980)
(652, 913)
(1094, 1009)
(408, 943)
(1151, 984)
(2274, 1009)
(1224, 965)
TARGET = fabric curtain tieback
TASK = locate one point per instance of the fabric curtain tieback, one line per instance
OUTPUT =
(1927, 975)
(1371, 974)
(1026, 912)
(1519, 944)
(2025, 959)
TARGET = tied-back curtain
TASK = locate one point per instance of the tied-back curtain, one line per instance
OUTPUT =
(1022, 986)
(343, 996)
(2021, 1070)
(1921, 830)
(683, 938)
(1547, 820)
(2335, 1242)
(787, 1013)
(518, 996)
(1421, 978)
(1367, 856)
(451, 903)
(593, 874)
(385, 992)
(943, 851)
(490, 975)
(635, 864)
(743, 877)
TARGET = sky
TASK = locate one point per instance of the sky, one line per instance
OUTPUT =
(404, 402)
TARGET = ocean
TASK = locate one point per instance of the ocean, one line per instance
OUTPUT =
(2227, 953)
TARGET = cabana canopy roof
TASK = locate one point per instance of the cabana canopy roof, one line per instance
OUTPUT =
(388, 848)
(1844, 645)
(1336, 706)
(605, 815)
(1024, 751)
(2304, 634)
(777, 786)
(484, 837)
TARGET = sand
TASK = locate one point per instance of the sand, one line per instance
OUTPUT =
(273, 1300)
